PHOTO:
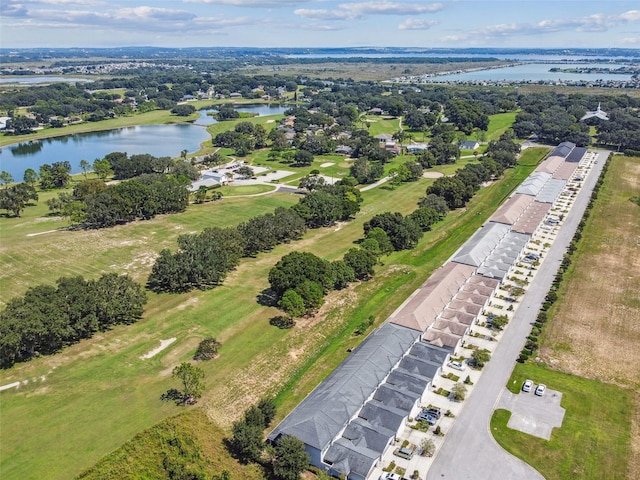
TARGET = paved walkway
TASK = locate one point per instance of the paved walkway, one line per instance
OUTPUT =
(470, 451)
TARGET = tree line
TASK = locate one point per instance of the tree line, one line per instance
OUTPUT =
(47, 318)
(286, 460)
(300, 280)
(94, 204)
(203, 260)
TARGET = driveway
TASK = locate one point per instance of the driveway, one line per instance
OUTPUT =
(469, 450)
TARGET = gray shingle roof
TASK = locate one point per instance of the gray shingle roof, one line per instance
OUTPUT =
(533, 183)
(551, 190)
(576, 154)
(381, 415)
(403, 379)
(328, 408)
(347, 458)
(479, 246)
(504, 255)
(393, 397)
(362, 433)
(563, 149)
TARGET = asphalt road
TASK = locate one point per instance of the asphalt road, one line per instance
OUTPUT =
(469, 450)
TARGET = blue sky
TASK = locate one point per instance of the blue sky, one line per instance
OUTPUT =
(320, 23)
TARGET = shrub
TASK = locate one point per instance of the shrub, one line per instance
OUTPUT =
(282, 322)
(207, 349)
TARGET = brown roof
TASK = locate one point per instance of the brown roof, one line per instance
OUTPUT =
(478, 289)
(550, 164)
(465, 307)
(529, 222)
(450, 326)
(441, 339)
(484, 281)
(423, 306)
(511, 210)
(565, 170)
(471, 297)
(459, 317)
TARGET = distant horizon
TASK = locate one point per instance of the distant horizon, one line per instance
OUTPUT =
(308, 23)
(372, 48)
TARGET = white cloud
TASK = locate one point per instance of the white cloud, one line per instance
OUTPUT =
(251, 3)
(631, 41)
(417, 24)
(597, 22)
(352, 11)
(129, 19)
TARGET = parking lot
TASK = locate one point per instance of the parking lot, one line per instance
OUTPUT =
(533, 414)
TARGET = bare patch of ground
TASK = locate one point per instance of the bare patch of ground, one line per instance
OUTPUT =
(163, 344)
(326, 164)
(433, 174)
(595, 331)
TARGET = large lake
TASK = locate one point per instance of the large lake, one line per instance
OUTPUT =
(27, 80)
(534, 72)
(261, 109)
(157, 140)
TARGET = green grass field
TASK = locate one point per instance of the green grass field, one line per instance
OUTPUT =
(103, 393)
(594, 440)
(500, 123)
(189, 437)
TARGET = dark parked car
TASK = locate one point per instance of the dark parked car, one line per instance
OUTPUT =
(434, 412)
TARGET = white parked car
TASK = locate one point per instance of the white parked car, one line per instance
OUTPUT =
(389, 476)
(540, 389)
(457, 365)
(527, 386)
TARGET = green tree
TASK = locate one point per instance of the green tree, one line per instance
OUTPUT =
(303, 158)
(290, 458)
(246, 440)
(292, 303)
(6, 178)
(428, 447)
(102, 167)
(14, 198)
(459, 392)
(381, 237)
(435, 202)
(361, 261)
(183, 110)
(499, 322)
(267, 406)
(480, 357)
(30, 177)
(191, 378)
(312, 295)
(84, 166)
(207, 349)
(201, 194)
(342, 273)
